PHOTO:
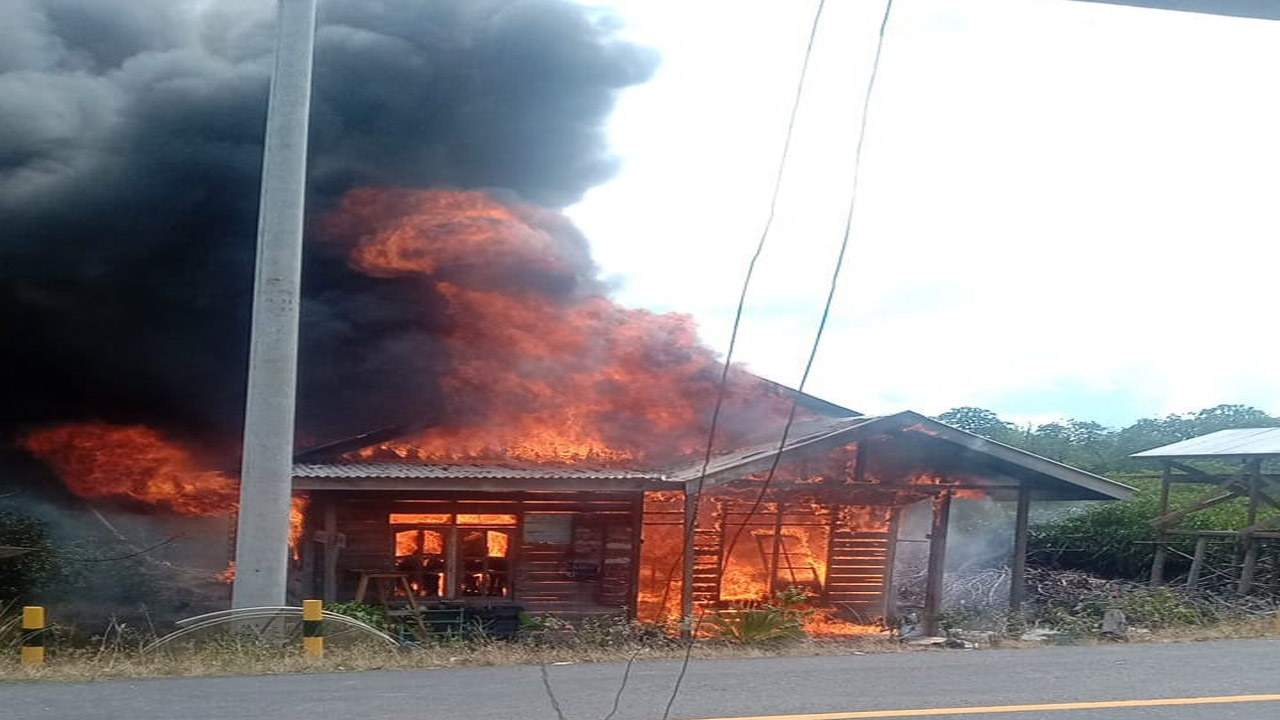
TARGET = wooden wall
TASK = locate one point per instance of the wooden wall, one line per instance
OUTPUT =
(590, 569)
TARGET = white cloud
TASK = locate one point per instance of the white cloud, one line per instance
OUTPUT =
(1054, 194)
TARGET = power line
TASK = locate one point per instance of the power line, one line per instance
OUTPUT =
(817, 340)
(723, 383)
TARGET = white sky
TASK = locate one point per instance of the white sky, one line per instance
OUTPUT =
(1067, 209)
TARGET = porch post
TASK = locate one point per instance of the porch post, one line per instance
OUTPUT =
(686, 584)
(1157, 561)
(889, 589)
(330, 549)
(1018, 568)
(937, 563)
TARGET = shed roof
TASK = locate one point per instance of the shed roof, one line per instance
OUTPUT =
(1242, 442)
(952, 450)
(1261, 9)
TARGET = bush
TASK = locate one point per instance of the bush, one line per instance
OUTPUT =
(367, 614)
(768, 623)
(1162, 607)
(1114, 539)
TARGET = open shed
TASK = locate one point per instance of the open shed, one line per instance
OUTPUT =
(1234, 466)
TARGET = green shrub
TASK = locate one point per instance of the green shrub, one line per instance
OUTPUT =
(771, 622)
(1160, 607)
(1115, 539)
(367, 614)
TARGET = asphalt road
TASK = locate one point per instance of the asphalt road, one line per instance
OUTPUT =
(782, 687)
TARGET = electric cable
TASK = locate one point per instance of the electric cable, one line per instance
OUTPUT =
(817, 340)
(723, 383)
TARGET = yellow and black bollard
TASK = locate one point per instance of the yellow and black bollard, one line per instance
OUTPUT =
(33, 635)
(313, 628)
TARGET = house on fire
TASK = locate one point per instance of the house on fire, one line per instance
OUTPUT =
(575, 542)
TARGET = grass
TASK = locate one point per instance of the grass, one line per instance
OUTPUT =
(108, 662)
(82, 665)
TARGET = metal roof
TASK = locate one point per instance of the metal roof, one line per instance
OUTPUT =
(979, 455)
(961, 452)
(807, 435)
(416, 471)
(1243, 442)
(1262, 9)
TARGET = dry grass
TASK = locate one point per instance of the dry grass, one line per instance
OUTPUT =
(107, 663)
(83, 665)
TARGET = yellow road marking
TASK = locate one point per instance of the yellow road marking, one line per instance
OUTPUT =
(992, 709)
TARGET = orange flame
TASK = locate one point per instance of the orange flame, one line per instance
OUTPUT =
(132, 463)
(542, 367)
(498, 543)
(137, 464)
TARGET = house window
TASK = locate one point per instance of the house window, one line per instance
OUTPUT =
(449, 556)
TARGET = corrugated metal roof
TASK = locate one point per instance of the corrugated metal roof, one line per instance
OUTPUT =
(1224, 443)
(1261, 9)
(453, 472)
(802, 434)
(818, 436)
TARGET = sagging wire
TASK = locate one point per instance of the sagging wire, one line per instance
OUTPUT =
(723, 383)
(817, 339)
(143, 551)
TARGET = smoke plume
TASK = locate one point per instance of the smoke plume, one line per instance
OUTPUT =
(130, 151)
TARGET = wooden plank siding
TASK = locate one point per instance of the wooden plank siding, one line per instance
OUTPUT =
(594, 573)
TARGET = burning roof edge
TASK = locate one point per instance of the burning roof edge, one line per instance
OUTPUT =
(416, 476)
(1237, 443)
(816, 437)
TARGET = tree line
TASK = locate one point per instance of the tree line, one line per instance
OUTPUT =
(1100, 449)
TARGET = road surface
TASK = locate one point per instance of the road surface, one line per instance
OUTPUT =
(1013, 684)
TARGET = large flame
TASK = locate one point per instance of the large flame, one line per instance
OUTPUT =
(132, 463)
(138, 465)
(542, 366)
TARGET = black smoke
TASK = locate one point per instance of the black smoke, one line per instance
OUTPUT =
(130, 150)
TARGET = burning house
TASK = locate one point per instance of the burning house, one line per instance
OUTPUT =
(574, 540)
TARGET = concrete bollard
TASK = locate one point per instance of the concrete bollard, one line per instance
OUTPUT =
(313, 628)
(33, 635)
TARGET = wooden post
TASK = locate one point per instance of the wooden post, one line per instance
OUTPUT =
(330, 549)
(937, 563)
(775, 551)
(1018, 568)
(1157, 562)
(637, 542)
(1250, 561)
(1197, 561)
(686, 584)
(891, 552)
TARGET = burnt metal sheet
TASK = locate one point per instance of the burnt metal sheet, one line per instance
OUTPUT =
(1242, 442)
(1260, 9)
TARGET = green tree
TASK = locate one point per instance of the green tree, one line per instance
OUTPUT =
(979, 421)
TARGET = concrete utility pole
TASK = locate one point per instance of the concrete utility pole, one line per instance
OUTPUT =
(262, 537)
